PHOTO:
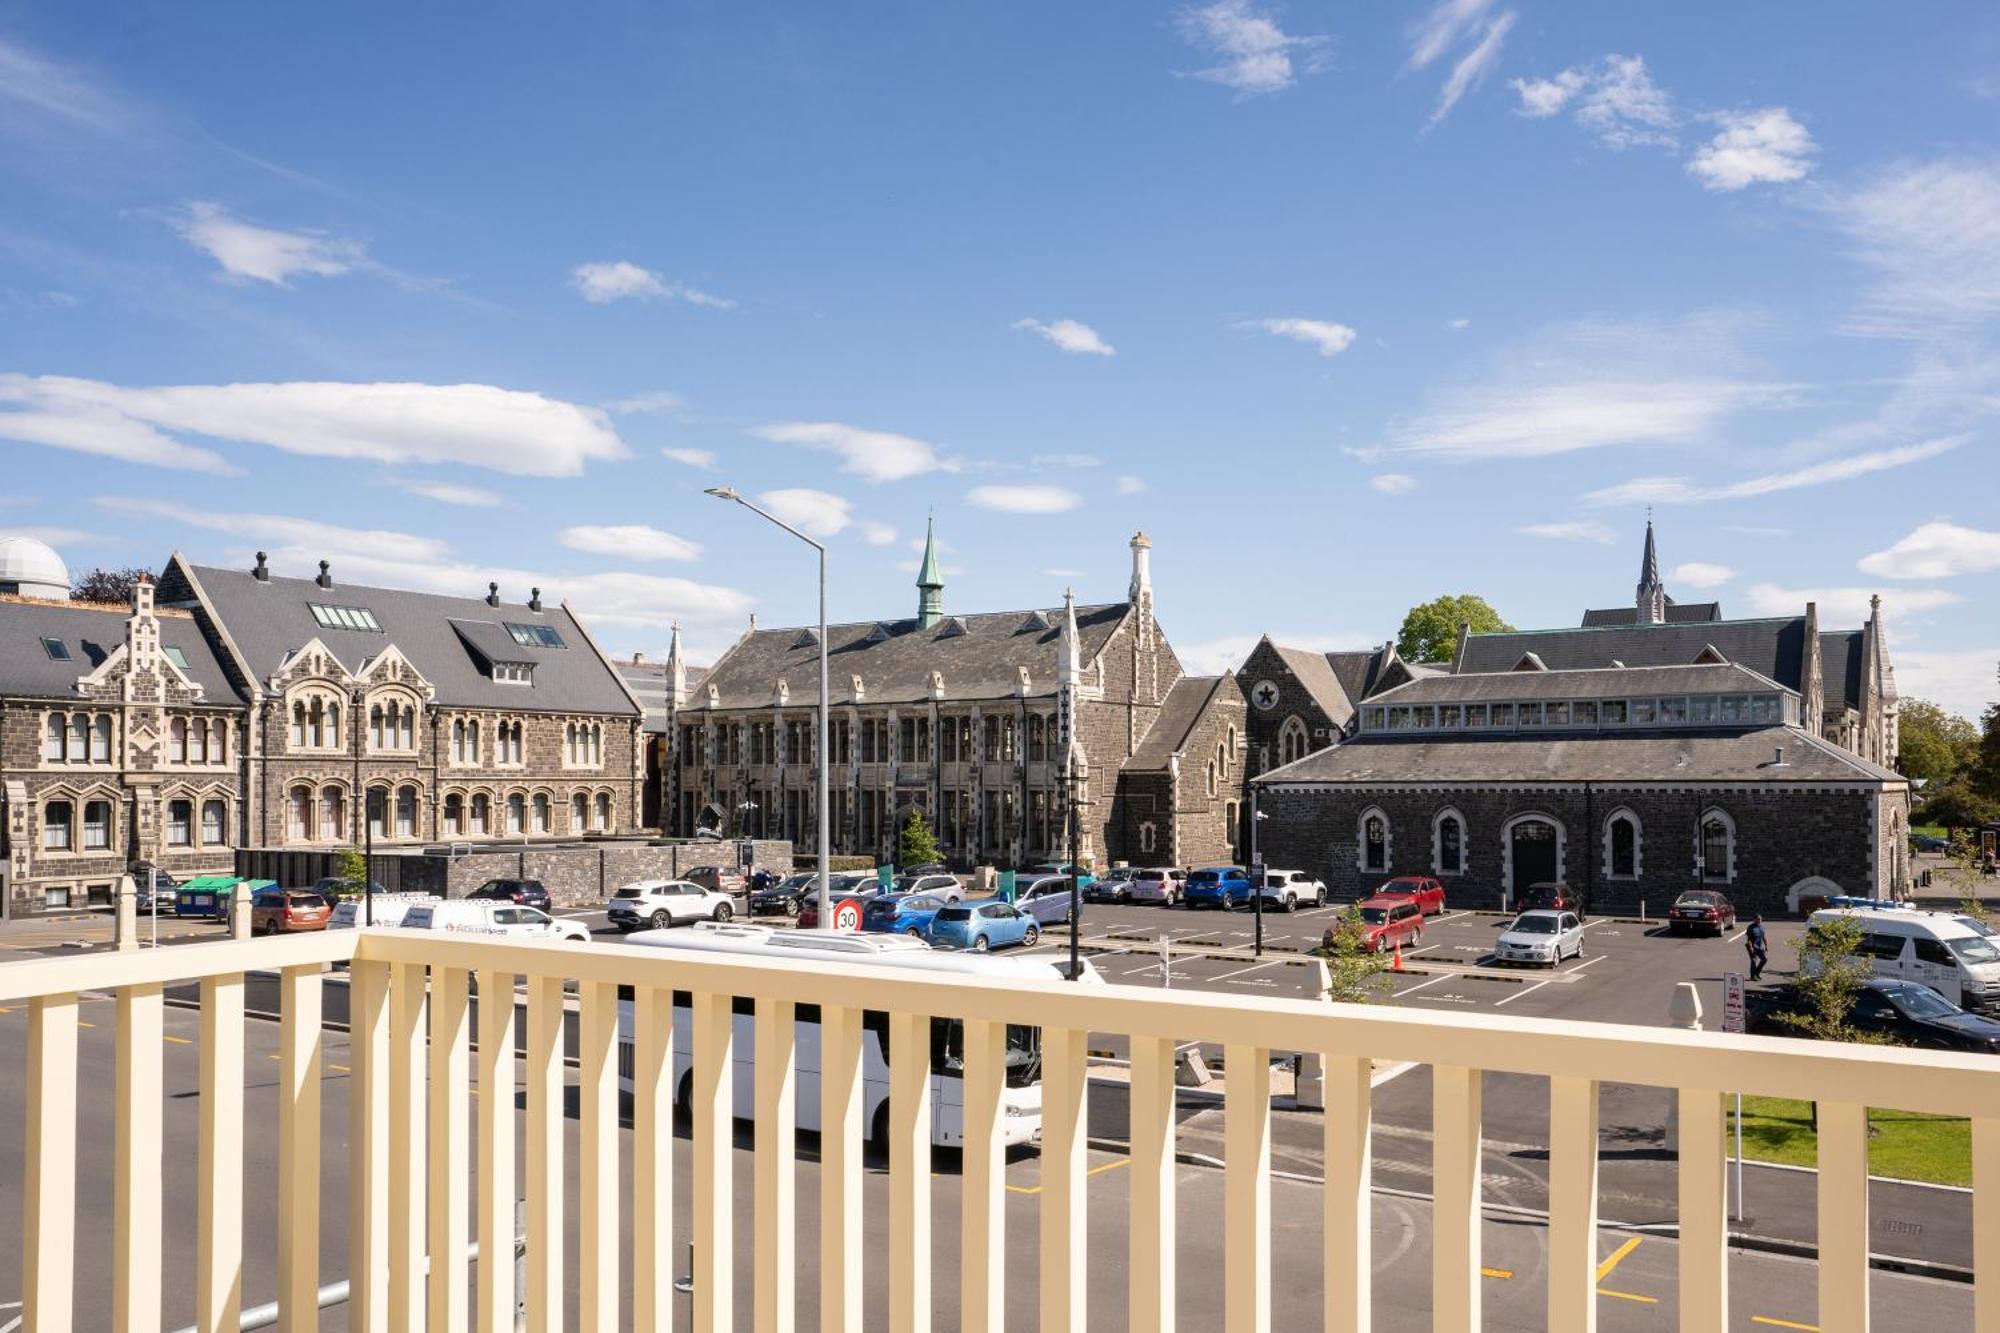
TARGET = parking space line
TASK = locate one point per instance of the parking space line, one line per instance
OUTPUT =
(1617, 1257)
(1783, 1323)
(1394, 1071)
(1629, 1296)
(1519, 993)
(1448, 976)
(1578, 967)
(1501, 1273)
(1252, 968)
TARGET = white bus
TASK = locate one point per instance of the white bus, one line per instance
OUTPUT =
(1021, 1098)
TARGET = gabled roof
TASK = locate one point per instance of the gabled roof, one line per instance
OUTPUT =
(1358, 672)
(91, 633)
(1315, 671)
(1613, 683)
(1678, 613)
(984, 661)
(1773, 648)
(1180, 712)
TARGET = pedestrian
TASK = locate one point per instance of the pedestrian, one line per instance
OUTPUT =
(1758, 947)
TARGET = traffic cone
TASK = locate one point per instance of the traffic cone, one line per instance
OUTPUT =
(1397, 966)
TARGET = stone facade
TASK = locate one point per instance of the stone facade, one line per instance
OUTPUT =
(1181, 796)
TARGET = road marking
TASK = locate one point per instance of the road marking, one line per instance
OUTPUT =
(1617, 1257)
(1252, 968)
(1502, 1273)
(1519, 993)
(1394, 1071)
(1755, 1319)
(1739, 934)
(1594, 958)
(85, 1023)
(1099, 1169)
(178, 1041)
(1449, 976)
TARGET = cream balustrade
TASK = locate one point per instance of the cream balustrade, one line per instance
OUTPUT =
(413, 1142)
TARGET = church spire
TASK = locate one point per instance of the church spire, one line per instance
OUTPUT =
(930, 583)
(1652, 594)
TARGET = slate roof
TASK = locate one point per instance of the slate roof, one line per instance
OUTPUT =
(1680, 755)
(1315, 672)
(1611, 683)
(979, 656)
(92, 633)
(651, 681)
(1840, 665)
(1773, 648)
(1678, 613)
(1179, 712)
(1356, 671)
(269, 620)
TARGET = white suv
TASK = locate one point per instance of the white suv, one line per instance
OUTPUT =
(659, 903)
(1292, 889)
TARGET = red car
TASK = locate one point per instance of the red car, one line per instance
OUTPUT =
(1427, 894)
(722, 879)
(1389, 922)
(1701, 910)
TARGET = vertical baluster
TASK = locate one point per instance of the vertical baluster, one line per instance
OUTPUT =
(983, 1165)
(840, 1260)
(544, 1185)
(1704, 1207)
(1349, 1230)
(49, 1197)
(776, 1219)
(1064, 1149)
(1843, 1217)
(909, 1173)
(1986, 1224)
(1150, 1281)
(406, 1145)
(1572, 1280)
(714, 1149)
(597, 1144)
(218, 1298)
(451, 1148)
(1455, 1188)
(496, 1152)
(136, 1204)
(301, 1051)
(368, 1132)
(1247, 1187)
(652, 1159)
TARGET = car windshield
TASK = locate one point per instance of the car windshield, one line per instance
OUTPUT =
(630, 891)
(1921, 1002)
(1975, 950)
(955, 914)
(1534, 925)
(1694, 900)
(921, 903)
(1204, 877)
(1374, 916)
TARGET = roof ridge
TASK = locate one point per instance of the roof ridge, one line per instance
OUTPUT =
(1642, 625)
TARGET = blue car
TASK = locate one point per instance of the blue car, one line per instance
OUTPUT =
(1219, 886)
(901, 913)
(980, 924)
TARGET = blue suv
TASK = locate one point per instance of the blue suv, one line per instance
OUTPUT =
(1220, 886)
(981, 924)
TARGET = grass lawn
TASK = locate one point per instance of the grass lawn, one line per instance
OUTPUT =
(1903, 1144)
(1927, 831)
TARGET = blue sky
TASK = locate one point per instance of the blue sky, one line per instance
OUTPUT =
(1347, 306)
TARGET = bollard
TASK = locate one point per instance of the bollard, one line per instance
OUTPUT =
(1309, 1090)
(127, 921)
(239, 911)
(1683, 1011)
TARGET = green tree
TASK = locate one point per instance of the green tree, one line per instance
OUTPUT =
(1955, 805)
(1983, 771)
(1935, 744)
(916, 846)
(1430, 631)
(1831, 970)
(350, 867)
(1356, 974)
(107, 585)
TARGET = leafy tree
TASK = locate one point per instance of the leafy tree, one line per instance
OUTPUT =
(1983, 771)
(917, 847)
(1356, 974)
(107, 585)
(1956, 805)
(350, 867)
(1430, 631)
(1831, 970)
(1935, 744)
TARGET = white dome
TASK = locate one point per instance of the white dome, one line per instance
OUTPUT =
(32, 568)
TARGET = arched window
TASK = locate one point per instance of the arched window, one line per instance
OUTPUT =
(406, 727)
(180, 823)
(198, 742)
(454, 815)
(579, 812)
(1374, 840)
(1448, 838)
(1718, 847)
(1149, 835)
(100, 741)
(332, 814)
(299, 814)
(517, 812)
(378, 721)
(482, 814)
(333, 726)
(603, 823)
(1292, 740)
(298, 734)
(214, 824)
(79, 737)
(569, 743)
(541, 809)
(1209, 776)
(177, 741)
(378, 812)
(406, 812)
(472, 741)
(458, 740)
(1622, 845)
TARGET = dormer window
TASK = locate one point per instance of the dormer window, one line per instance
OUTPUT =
(514, 673)
(344, 617)
(535, 636)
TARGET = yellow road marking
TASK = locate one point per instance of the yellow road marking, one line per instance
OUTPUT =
(85, 1023)
(342, 1068)
(1628, 1296)
(1783, 1323)
(1099, 1169)
(1496, 1272)
(1617, 1257)
(180, 1041)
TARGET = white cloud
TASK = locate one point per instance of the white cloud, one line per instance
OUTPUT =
(1587, 530)
(1937, 550)
(877, 533)
(815, 513)
(702, 458)
(1131, 485)
(872, 454)
(1681, 490)
(1700, 574)
(1063, 573)
(1257, 55)
(1065, 460)
(47, 89)
(1471, 68)
(1441, 29)
(1932, 233)
(1394, 483)
(1753, 146)
(633, 541)
(506, 430)
(1070, 336)
(660, 401)
(1542, 98)
(444, 492)
(1843, 606)
(1024, 499)
(1458, 325)
(1616, 100)
(245, 250)
(604, 282)
(1962, 682)
(1327, 337)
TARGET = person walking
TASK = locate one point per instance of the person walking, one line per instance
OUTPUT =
(1758, 947)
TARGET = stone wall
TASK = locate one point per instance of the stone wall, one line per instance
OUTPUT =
(1293, 700)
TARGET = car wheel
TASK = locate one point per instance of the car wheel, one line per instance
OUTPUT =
(1291, 902)
(914, 931)
(723, 911)
(1416, 937)
(660, 919)
(1033, 937)
(684, 1099)
(979, 944)
(1319, 898)
(792, 907)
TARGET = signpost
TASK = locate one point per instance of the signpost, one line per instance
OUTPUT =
(1733, 1021)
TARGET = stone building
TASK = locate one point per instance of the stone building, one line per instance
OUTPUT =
(120, 740)
(993, 725)
(661, 689)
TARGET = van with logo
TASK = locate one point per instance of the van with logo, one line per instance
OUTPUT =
(1951, 954)
(487, 916)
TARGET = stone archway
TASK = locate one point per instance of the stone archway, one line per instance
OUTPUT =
(1812, 886)
(1533, 847)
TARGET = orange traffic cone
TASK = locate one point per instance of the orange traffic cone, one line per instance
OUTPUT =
(1397, 966)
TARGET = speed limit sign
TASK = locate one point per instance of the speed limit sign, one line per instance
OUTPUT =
(847, 915)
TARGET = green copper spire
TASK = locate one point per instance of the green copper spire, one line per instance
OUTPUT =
(930, 584)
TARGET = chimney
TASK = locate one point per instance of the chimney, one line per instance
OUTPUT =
(1778, 757)
(535, 599)
(493, 594)
(325, 579)
(262, 573)
(638, 659)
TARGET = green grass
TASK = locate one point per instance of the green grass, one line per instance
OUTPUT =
(1904, 1144)
(1927, 831)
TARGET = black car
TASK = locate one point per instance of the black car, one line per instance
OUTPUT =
(1551, 896)
(787, 894)
(1902, 1011)
(148, 881)
(522, 892)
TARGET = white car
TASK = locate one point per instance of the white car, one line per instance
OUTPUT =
(390, 909)
(658, 903)
(1156, 884)
(488, 916)
(1291, 890)
(1540, 936)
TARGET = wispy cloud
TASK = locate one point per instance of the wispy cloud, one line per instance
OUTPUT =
(1615, 99)
(62, 94)
(250, 252)
(1440, 29)
(1257, 55)
(634, 541)
(701, 458)
(620, 280)
(1843, 606)
(1684, 490)
(877, 533)
(1024, 499)
(658, 402)
(875, 455)
(1394, 483)
(1937, 550)
(1070, 336)
(1322, 335)
(815, 513)
(1931, 231)
(1586, 530)
(1752, 147)
(1470, 70)
(449, 493)
(1131, 485)
(1700, 574)
(1064, 461)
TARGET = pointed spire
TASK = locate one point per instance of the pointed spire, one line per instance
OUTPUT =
(1652, 594)
(930, 583)
(1069, 650)
(676, 668)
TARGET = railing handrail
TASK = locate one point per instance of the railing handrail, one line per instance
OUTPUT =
(30, 978)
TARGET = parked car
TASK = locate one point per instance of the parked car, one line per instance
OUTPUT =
(1540, 936)
(1114, 886)
(928, 868)
(1941, 950)
(848, 908)
(155, 888)
(1903, 1011)
(911, 881)
(333, 888)
(1387, 924)
(1219, 886)
(526, 892)
(1425, 892)
(1046, 900)
(787, 894)
(901, 913)
(1552, 896)
(723, 879)
(1082, 873)
(982, 924)
(389, 909)
(283, 911)
(1929, 842)
(486, 916)
(1289, 890)
(1157, 884)
(660, 903)
(1702, 910)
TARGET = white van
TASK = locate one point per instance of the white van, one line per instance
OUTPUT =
(491, 916)
(390, 909)
(1951, 954)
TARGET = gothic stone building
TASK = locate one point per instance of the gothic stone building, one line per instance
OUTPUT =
(991, 725)
(1652, 750)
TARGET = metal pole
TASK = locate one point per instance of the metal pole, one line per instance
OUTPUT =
(825, 817)
(1739, 1157)
(368, 857)
(1256, 878)
(153, 898)
(1075, 889)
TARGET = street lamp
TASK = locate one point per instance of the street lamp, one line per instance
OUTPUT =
(821, 896)
(1256, 873)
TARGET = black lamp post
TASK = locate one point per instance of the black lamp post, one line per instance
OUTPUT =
(371, 811)
(1075, 887)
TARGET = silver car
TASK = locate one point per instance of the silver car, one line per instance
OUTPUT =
(1541, 936)
(1046, 900)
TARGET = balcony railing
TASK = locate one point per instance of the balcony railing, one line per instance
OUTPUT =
(413, 1139)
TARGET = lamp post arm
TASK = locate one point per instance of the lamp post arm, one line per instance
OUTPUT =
(769, 517)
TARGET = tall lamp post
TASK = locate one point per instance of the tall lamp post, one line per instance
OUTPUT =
(821, 895)
(1256, 873)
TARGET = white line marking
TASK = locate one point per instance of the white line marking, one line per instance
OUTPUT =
(1594, 958)
(1394, 1071)
(1519, 993)
(11, 1324)
(1443, 917)
(1252, 968)
(1739, 934)
(1449, 976)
